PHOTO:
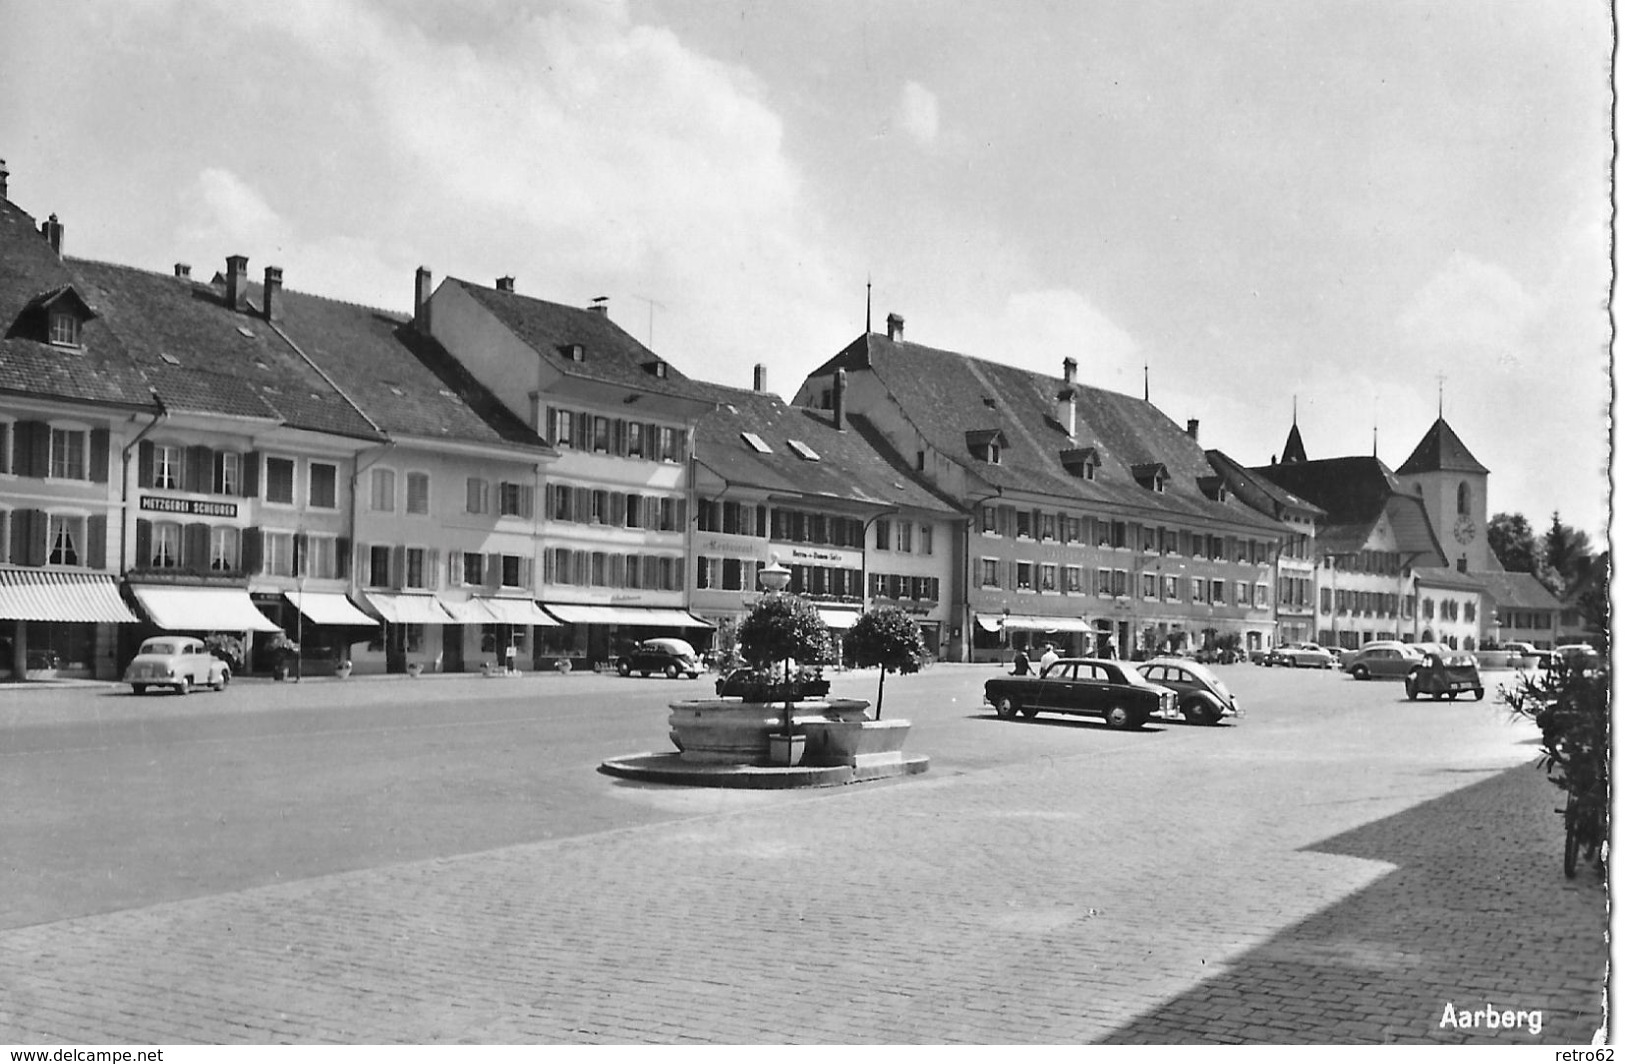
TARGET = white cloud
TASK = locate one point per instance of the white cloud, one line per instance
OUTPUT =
(1036, 330)
(917, 112)
(226, 209)
(1471, 308)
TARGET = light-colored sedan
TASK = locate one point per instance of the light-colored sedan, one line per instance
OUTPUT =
(1383, 658)
(177, 661)
(1302, 656)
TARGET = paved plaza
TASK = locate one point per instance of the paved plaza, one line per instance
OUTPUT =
(1340, 866)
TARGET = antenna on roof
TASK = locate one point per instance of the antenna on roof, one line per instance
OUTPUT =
(1148, 381)
(868, 304)
(650, 343)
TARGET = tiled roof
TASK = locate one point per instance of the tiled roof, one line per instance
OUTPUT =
(1442, 576)
(947, 395)
(405, 382)
(856, 465)
(1356, 492)
(609, 353)
(202, 355)
(97, 371)
(1293, 451)
(1518, 591)
(1441, 450)
(1273, 498)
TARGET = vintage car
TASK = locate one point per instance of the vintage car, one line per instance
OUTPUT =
(1444, 673)
(1090, 687)
(177, 661)
(1383, 658)
(673, 657)
(1203, 698)
(1302, 656)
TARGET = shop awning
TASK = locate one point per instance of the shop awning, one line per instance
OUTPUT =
(628, 615)
(839, 619)
(327, 607)
(201, 609)
(37, 595)
(408, 609)
(991, 622)
(517, 611)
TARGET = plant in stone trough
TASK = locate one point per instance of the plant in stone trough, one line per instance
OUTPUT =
(888, 637)
(784, 627)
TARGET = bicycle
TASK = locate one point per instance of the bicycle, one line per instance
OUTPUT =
(1583, 829)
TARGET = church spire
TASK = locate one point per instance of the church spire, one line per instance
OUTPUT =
(1293, 451)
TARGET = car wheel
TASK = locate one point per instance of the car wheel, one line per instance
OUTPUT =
(625, 668)
(185, 686)
(1453, 695)
(1410, 689)
(225, 678)
(1029, 712)
(644, 673)
(1119, 717)
(1007, 708)
(138, 688)
(1478, 694)
(693, 676)
(672, 672)
(1361, 672)
(1198, 713)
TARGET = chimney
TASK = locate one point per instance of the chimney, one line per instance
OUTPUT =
(4, 176)
(600, 305)
(1066, 410)
(420, 300)
(1191, 428)
(1069, 370)
(759, 378)
(894, 327)
(504, 284)
(51, 229)
(183, 271)
(838, 400)
(236, 280)
(273, 293)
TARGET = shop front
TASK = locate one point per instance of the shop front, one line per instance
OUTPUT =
(55, 624)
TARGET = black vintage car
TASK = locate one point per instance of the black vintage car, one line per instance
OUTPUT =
(1444, 674)
(670, 657)
(1088, 687)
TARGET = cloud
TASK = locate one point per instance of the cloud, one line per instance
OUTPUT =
(917, 112)
(1471, 308)
(227, 210)
(1037, 329)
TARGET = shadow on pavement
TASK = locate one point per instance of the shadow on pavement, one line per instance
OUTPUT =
(1476, 915)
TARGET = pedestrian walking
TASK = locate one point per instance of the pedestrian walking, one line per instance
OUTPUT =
(1022, 666)
(1050, 657)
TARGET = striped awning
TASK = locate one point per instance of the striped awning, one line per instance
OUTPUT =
(201, 609)
(42, 595)
(838, 619)
(327, 607)
(627, 615)
(992, 622)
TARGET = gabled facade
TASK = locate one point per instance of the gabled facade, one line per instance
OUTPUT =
(825, 496)
(1095, 523)
(1296, 561)
(1453, 486)
(614, 507)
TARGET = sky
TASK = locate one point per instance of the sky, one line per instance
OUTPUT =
(1361, 211)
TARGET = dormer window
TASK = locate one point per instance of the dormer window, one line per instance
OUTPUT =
(804, 451)
(1153, 475)
(1081, 461)
(757, 444)
(657, 368)
(986, 445)
(1214, 488)
(64, 329)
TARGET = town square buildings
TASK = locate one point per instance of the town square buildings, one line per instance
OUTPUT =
(497, 480)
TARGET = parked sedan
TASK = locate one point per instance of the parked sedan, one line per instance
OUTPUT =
(1203, 697)
(1383, 658)
(1090, 687)
(1302, 656)
(1444, 674)
(177, 661)
(674, 657)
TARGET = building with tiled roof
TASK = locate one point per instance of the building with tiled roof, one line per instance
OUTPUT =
(827, 497)
(614, 510)
(1298, 557)
(1095, 521)
(1524, 610)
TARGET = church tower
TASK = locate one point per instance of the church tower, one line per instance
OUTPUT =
(1453, 485)
(1293, 452)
